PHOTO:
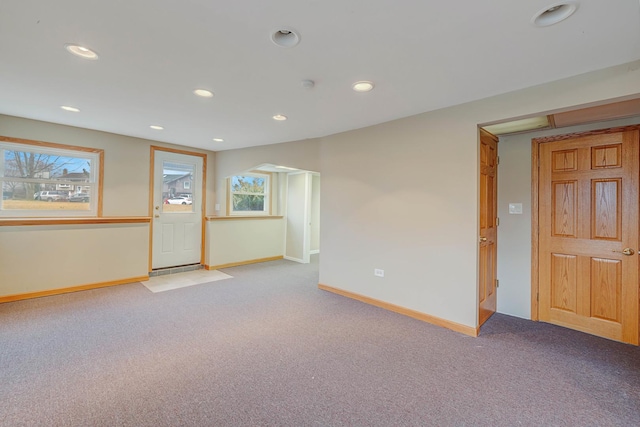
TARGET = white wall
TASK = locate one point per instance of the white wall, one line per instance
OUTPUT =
(403, 196)
(101, 253)
(315, 213)
(301, 155)
(514, 233)
(41, 258)
(126, 161)
(297, 217)
(243, 239)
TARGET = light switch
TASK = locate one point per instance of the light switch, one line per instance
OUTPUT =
(515, 208)
(217, 206)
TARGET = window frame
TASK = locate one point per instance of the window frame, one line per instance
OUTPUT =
(267, 194)
(96, 177)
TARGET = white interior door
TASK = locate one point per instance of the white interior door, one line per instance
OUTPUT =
(177, 209)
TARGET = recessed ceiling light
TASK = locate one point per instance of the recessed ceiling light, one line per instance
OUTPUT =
(279, 117)
(362, 86)
(554, 13)
(285, 37)
(72, 109)
(156, 127)
(218, 139)
(81, 51)
(203, 93)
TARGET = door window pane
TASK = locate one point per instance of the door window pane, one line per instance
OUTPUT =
(177, 189)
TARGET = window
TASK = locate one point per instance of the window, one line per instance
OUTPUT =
(187, 185)
(41, 179)
(249, 194)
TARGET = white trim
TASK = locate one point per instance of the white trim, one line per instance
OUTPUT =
(266, 207)
(301, 261)
(317, 251)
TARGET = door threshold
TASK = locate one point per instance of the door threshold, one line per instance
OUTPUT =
(173, 270)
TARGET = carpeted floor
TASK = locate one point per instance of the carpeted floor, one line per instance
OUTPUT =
(267, 348)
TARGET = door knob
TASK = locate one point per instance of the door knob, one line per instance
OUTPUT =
(483, 239)
(626, 251)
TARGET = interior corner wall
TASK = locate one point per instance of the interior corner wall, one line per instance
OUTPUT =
(299, 154)
(514, 232)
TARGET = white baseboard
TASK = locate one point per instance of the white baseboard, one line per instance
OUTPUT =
(317, 251)
(295, 259)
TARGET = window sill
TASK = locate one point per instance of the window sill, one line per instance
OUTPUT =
(67, 221)
(223, 218)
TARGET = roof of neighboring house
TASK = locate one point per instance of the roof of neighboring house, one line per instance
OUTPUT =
(75, 176)
(167, 178)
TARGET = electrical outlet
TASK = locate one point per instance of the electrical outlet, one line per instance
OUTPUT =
(217, 207)
(378, 272)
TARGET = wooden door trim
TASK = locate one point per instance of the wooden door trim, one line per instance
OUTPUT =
(535, 182)
(535, 228)
(203, 208)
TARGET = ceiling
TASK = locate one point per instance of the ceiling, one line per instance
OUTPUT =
(421, 56)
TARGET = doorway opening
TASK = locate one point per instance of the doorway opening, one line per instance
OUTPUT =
(516, 295)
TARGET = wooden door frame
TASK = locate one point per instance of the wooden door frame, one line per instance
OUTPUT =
(203, 207)
(535, 226)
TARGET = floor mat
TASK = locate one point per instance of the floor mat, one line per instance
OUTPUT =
(182, 280)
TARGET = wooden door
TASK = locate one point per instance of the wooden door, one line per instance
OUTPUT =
(487, 295)
(588, 234)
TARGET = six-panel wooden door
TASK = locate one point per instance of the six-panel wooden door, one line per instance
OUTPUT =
(487, 295)
(588, 234)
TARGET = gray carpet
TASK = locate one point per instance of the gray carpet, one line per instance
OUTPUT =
(267, 348)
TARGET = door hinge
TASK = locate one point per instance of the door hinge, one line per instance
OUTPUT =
(497, 283)
(538, 297)
(497, 160)
(497, 221)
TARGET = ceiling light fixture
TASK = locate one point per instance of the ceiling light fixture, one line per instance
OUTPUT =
(203, 93)
(156, 127)
(285, 37)
(287, 168)
(72, 109)
(555, 13)
(218, 139)
(363, 86)
(81, 51)
(279, 117)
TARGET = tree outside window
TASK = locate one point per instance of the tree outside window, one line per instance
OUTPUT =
(249, 194)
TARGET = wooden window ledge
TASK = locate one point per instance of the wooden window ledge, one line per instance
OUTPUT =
(67, 221)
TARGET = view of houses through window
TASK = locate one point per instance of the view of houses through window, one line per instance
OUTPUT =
(39, 179)
(177, 195)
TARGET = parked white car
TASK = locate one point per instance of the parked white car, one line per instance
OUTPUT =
(181, 200)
